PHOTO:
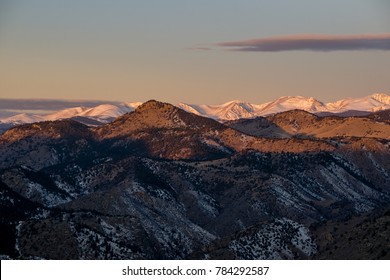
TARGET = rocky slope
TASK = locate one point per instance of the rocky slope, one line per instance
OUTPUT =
(161, 183)
(298, 123)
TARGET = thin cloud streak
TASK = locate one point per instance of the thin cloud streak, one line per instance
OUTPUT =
(311, 42)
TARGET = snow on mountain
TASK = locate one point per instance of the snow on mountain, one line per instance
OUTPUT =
(21, 119)
(238, 109)
(232, 110)
(102, 113)
(132, 105)
(371, 103)
(105, 112)
(108, 112)
(287, 103)
(64, 114)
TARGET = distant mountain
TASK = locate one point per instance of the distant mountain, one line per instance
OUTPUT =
(232, 110)
(228, 111)
(371, 103)
(93, 116)
(170, 132)
(154, 129)
(237, 109)
(21, 119)
(287, 103)
(162, 183)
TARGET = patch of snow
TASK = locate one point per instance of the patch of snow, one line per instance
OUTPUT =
(276, 240)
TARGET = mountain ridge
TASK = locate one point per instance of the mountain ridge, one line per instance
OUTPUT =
(302, 124)
(154, 129)
(162, 183)
(232, 110)
(238, 109)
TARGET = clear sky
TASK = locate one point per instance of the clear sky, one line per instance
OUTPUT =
(178, 50)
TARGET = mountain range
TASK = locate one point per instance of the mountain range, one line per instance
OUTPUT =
(160, 182)
(239, 109)
(232, 110)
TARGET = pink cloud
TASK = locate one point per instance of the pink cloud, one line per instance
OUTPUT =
(312, 42)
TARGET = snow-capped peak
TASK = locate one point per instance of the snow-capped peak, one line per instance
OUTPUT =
(371, 103)
(286, 103)
(231, 110)
(381, 97)
(233, 102)
(21, 119)
(105, 111)
(237, 109)
(102, 113)
(64, 114)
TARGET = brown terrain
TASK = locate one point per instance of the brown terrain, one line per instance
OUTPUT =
(162, 183)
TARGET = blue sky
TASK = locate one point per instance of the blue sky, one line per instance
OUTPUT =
(139, 50)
